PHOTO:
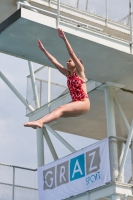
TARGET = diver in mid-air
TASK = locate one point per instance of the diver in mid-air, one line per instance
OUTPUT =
(76, 83)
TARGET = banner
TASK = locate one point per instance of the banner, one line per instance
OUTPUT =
(76, 173)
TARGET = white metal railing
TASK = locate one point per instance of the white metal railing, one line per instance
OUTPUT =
(14, 179)
(59, 17)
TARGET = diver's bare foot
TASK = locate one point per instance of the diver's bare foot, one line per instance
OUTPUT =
(34, 124)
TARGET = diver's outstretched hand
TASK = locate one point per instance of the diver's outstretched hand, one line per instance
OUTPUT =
(40, 45)
(61, 33)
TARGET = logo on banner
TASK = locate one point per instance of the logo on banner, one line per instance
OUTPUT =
(74, 169)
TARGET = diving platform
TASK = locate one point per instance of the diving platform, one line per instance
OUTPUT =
(100, 52)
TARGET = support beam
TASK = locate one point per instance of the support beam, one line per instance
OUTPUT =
(32, 76)
(126, 151)
(111, 129)
(121, 113)
(60, 138)
(40, 147)
(131, 31)
(21, 98)
(49, 84)
(110, 111)
(39, 132)
(106, 19)
(132, 160)
(58, 13)
(50, 145)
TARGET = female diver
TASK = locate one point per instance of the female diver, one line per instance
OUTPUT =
(76, 83)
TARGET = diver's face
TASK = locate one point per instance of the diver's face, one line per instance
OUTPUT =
(70, 64)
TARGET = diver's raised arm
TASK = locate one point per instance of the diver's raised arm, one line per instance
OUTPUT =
(63, 70)
(79, 66)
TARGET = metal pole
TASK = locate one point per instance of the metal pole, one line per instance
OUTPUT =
(58, 13)
(60, 138)
(50, 145)
(21, 98)
(125, 151)
(33, 84)
(39, 132)
(40, 93)
(49, 3)
(132, 159)
(87, 1)
(126, 125)
(111, 131)
(40, 147)
(121, 113)
(77, 3)
(106, 6)
(13, 183)
(131, 32)
(49, 84)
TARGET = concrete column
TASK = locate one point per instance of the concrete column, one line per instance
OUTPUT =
(40, 147)
(111, 130)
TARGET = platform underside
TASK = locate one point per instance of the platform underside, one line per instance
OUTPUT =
(93, 124)
(20, 32)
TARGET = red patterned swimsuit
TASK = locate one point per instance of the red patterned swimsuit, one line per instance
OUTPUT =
(74, 83)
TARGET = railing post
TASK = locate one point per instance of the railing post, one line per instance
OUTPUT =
(13, 183)
(77, 3)
(49, 3)
(58, 13)
(106, 17)
(131, 32)
(87, 1)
